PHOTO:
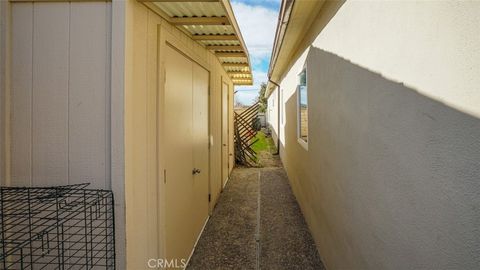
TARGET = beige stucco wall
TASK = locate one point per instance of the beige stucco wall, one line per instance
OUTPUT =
(143, 90)
(390, 177)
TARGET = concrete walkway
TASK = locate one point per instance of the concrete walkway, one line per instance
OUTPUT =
(257, 224)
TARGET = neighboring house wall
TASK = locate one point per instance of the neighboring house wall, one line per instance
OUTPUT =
(390, 177)
(147, 34)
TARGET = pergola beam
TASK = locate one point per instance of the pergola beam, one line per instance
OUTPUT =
(239, 72)
(230, 54)
(243, 83)
(225, 47)
(214, 37)
(242, 76)
(235, 64)
(199, 21)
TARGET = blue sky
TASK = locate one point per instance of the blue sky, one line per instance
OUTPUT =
(257, 20)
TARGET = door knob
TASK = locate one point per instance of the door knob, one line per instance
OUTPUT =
(195, 171)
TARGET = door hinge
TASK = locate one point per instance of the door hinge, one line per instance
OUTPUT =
(209, 197)
(165, 176)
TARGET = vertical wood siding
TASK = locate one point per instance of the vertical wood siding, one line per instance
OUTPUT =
(4, 24)
(60, 94)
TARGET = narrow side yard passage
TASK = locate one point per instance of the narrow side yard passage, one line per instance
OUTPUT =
(257, 224)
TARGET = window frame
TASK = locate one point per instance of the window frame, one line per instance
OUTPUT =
(301, 141)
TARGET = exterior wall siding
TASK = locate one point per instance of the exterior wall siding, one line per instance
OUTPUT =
(140, 131)
(62, 121)
(390, 177)
(4, 69)
(59, 96)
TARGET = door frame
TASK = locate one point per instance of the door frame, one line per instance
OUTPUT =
(225, 140)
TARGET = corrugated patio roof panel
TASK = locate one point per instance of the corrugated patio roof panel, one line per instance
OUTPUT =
(240, 76)
(213, 25)
(234, 59)
(237, 69)
(220, 42)
(210, 29)
(192, 9)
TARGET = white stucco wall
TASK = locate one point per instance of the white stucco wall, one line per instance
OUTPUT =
(431, 46)
(390, 177)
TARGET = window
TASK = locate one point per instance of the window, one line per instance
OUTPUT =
(302, 95)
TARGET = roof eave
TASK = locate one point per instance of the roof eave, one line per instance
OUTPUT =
(289, 33)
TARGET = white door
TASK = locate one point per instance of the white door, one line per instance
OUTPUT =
(186, 138)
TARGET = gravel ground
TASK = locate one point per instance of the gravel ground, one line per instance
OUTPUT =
(257, 224)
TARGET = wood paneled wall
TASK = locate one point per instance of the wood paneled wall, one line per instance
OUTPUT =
(60, 94)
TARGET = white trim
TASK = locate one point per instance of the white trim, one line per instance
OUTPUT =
(303, 143)
(226, 181)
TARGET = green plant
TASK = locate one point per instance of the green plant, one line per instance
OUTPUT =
(262, 99)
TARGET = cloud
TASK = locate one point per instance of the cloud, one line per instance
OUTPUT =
(257, 24)
(257, 20)
(272, 4)
(246, 97)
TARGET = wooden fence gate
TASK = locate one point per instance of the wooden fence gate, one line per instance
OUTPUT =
(244, 132)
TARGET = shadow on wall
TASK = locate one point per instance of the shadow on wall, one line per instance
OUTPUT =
(391, 178)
